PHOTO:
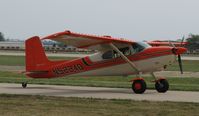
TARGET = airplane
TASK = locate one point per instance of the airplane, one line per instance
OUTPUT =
(114, 57)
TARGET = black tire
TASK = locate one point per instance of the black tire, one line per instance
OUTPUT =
(162, 85)
(24, 84)
(139, 86)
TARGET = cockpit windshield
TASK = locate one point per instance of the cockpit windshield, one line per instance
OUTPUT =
(144, 44)
(139, 46)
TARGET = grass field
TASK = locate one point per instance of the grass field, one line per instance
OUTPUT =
(21, 105)
(188, 65)
(20, 61)
(185, 84)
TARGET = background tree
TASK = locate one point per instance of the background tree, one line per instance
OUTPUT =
(193, 42)
(2, 37)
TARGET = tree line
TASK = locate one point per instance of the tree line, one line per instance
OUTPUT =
(2, 38)
(193, 43)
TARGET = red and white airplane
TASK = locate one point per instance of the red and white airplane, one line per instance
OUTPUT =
(115, 57)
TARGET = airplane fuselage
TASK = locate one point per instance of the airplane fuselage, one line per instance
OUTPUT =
(149, 60)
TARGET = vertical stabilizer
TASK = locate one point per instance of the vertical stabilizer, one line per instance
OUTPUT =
(35, 54)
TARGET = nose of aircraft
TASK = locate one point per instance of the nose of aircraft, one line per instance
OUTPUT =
(179, 50)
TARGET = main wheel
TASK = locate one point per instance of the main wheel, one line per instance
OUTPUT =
(162, 85)
(24, 84)
(139, 86)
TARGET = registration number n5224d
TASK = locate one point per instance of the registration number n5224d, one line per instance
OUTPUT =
(68, 69)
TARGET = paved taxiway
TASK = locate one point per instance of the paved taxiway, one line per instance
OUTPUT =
(98, 92)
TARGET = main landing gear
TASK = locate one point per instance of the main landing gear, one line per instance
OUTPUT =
(162, 85)
(139, 85)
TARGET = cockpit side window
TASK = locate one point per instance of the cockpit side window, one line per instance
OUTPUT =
(108, 55)
(113, 54)
(126, 51)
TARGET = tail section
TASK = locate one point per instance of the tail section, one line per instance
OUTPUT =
(35, 54)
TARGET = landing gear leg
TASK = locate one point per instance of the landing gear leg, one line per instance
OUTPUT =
(161, 85)
(24, 84)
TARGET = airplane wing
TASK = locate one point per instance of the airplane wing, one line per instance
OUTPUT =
(87, 41)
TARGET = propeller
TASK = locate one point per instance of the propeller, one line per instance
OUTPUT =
(179, 56)
(180, 63)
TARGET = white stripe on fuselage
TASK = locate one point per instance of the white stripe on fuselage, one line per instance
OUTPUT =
(145, 66)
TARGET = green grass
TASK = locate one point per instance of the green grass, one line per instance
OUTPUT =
(12, 60)
(20, 61)
(183, 84)
(188, 65)
(192, 55)
(24, 105)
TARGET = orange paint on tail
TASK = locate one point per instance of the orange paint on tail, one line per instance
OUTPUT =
(35, 55)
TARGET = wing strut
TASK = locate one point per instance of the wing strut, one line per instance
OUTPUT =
(125, 58)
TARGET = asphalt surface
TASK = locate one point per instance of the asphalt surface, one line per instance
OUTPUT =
(98, 92)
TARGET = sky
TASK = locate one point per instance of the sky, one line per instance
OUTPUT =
(136, 20)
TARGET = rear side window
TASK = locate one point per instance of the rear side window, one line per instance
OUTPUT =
(108, 55)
